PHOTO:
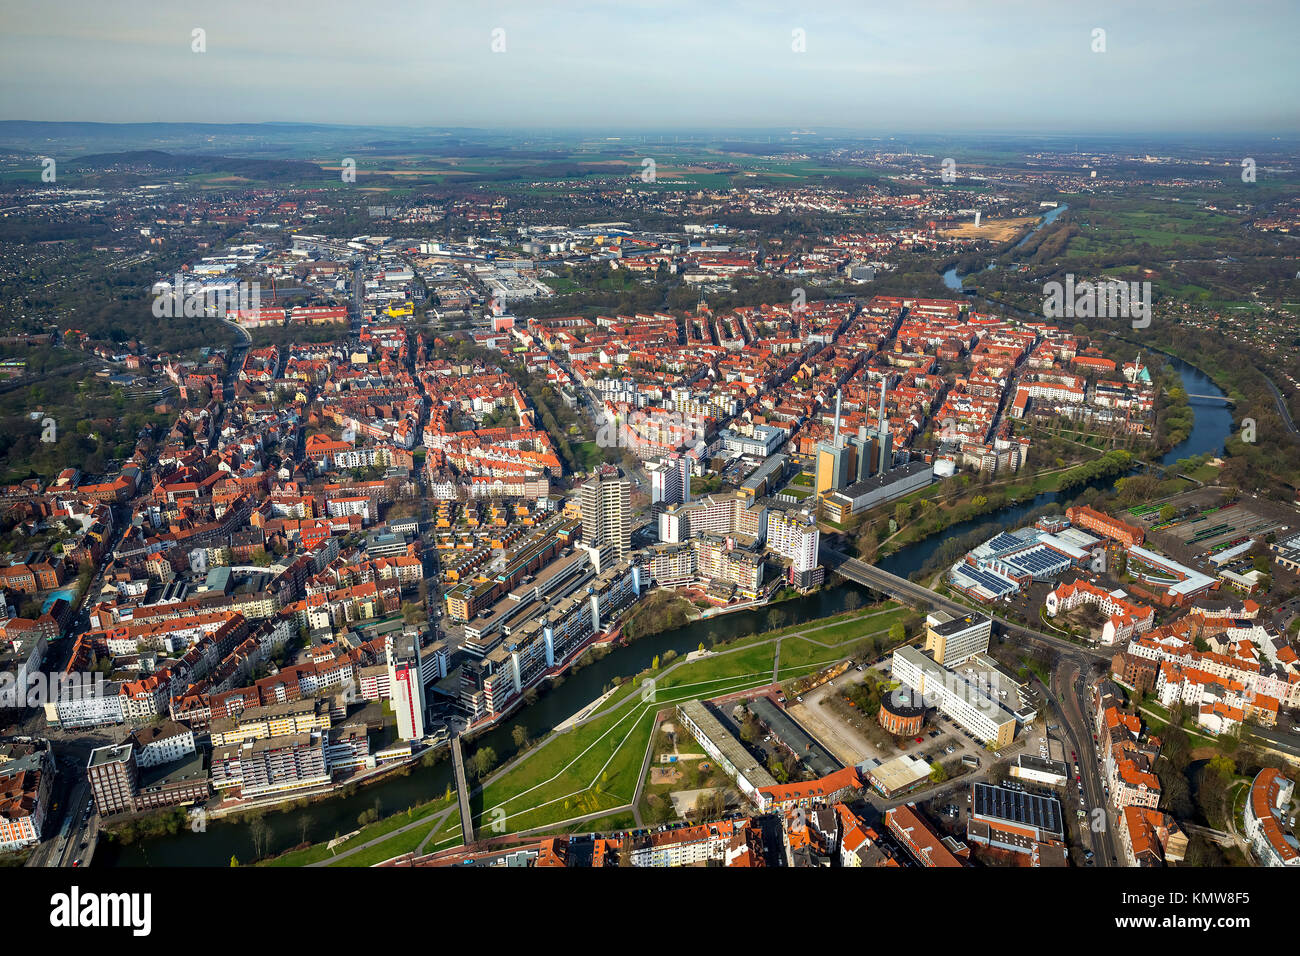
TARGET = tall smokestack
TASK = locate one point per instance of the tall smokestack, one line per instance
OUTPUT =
(883, 426)
(836, 439)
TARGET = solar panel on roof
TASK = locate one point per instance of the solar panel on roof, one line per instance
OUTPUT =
(993, 583)
(1002, 541)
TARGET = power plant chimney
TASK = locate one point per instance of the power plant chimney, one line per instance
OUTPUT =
(883, 426)
(836, 440)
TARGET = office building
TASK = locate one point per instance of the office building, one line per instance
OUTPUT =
(972, 701)
(112, 772)
(952, 641)
(118, 785)
(406, 684)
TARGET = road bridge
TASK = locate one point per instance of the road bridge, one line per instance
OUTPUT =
(910, 592)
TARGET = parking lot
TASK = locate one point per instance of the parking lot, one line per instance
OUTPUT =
(942, 740)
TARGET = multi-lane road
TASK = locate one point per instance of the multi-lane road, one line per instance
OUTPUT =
(905, 590)
(1067, 698)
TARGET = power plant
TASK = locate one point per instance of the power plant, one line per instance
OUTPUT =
(847, 459)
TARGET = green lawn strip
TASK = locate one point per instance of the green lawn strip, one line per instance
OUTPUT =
(816, 627)
(317, 852)
(749, 660)
(617, 821)
(578, 805)
(797, 652)
(395, 845)
(876, 623)
(600, 760)
(611, 774)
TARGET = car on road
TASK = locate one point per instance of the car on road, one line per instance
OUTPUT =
(76, 862)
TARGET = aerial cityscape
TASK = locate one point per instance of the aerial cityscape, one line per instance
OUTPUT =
(875, 448)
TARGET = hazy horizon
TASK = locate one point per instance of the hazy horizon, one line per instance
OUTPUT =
(934, 68)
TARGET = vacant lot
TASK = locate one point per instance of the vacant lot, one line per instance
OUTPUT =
(996, 230)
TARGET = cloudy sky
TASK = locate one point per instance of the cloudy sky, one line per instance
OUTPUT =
(1191, 66)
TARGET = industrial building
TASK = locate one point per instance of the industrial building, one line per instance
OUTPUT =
(1017, 820)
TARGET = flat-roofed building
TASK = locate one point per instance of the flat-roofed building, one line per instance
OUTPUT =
(973, 704)
(899, 775)
(272, 720)
(271, 766)
(878, 489)
(953, 640)
(720, 744)
(1013, 819)
(1037, 770)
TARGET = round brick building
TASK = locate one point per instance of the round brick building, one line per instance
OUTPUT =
(900, 715)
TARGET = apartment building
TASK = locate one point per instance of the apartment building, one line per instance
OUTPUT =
(1125, 618)
(26, 783)
(794, 535)
(921, 841)
(724, 841)
(1270, 819)
(272, 720)
(162, 743)
(271, 766)
(606, 503)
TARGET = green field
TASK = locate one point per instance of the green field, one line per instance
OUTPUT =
(595, 766)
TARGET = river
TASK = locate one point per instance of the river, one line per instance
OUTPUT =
(1212, 423)
(954, 282)
(214, 847)
(338, 815)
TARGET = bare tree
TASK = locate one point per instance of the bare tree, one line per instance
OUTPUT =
(259, 832)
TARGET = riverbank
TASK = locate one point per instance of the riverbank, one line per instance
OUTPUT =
(323, 821)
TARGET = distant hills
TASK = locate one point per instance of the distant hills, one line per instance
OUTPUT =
(195, 163)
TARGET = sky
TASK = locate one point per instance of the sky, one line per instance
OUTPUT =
(934, 66)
